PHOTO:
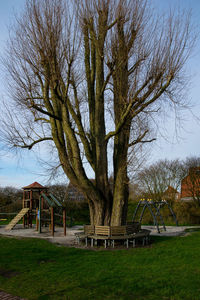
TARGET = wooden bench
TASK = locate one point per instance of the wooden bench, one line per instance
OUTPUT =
(143, 234)
(87, 230)
(100, 233)
(133, 227)
(113, 233)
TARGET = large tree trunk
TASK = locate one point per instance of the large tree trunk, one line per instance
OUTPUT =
(121, 181)
(100, 214)
(121, 141)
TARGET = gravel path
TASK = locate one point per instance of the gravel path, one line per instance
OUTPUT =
(70, 240)
(170, 230)
(5, 296)
(58, 238)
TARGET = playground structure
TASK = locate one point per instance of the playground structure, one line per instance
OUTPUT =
(154, 208)
(43, 206)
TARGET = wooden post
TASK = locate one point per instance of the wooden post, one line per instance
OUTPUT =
(28, 219)
(31, 219)
(31, 199)
(31, 206)
(42, 204)
(36, 219)
(64, 221)
(52, 221)
(23, 204)
(40, 225)
(23, 199)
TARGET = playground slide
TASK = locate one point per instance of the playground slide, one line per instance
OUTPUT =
(17, 218)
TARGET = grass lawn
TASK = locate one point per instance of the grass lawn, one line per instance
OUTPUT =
(36, 269)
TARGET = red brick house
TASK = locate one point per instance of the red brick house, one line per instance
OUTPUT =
(190, 185)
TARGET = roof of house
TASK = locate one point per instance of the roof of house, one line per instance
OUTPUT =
(34, 185)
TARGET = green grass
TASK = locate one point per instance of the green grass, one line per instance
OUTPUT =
(36, 269)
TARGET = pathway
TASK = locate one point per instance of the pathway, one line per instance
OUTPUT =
(5, 296)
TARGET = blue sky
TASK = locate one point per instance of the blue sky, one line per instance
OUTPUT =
(22, 171)
(188, 143)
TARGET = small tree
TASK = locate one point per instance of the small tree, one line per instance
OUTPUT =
(87, 78)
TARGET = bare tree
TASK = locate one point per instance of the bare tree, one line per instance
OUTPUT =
(155, 179)
(84, 78)
(9, 195)
(59, 191)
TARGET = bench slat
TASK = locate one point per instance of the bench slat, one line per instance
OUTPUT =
(102, 230)
(118, 230)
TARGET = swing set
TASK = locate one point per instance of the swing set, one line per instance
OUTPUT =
(154, 208)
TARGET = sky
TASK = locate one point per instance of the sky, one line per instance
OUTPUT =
(20, 171)
(188, 142)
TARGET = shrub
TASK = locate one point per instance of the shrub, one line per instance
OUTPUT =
(78, 212)
(187, 213)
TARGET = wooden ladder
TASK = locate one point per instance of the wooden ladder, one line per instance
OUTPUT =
(17, 218)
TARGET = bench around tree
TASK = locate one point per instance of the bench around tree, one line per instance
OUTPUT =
(110, 234)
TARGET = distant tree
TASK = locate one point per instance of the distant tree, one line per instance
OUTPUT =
(135, 190)
(191, 162)
(59, 191)
(88, 81)
(155, 179)
(9, 195)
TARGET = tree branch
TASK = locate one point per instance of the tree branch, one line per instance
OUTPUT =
(139, 140)
(30, 146)
(33, 105)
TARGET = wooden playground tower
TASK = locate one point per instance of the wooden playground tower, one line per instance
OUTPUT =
(36, 203)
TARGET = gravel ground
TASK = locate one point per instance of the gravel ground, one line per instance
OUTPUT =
(170, 230)
(70, 240)
(58, 238)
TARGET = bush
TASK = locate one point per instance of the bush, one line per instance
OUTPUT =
(78, 212)
(187, 213)
(13, 207)
(131, 209)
